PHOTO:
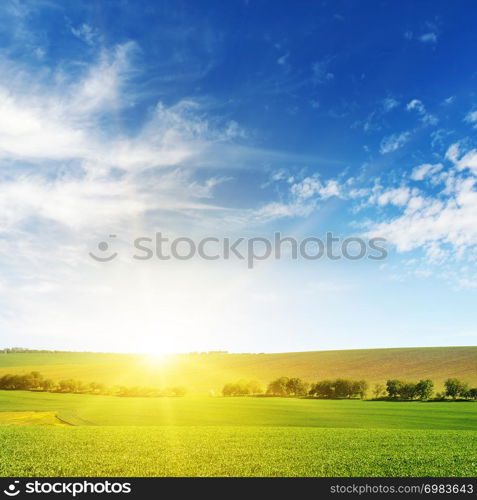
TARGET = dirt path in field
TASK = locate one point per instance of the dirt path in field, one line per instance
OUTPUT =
(30, 418)
(70, 418)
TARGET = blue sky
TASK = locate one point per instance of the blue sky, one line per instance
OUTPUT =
(237, 118)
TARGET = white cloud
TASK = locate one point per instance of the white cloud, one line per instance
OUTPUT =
(86, 33)
(304, 197)
(399, 197)
(44, 122)
(75, 204)
(62, 167)
(425, 170)
(440, 222)
(390, 103)
(449, 100)
(444, 224)
(373, 121)
(283, 60)
(468, 160)
(41, 122)
(394, 142)
(429, 37)
(312, 186)
(426, 118)
(320, 72)
(472, 118)
(29, 128)
(69, 179)
(278, 210)
(89, 203)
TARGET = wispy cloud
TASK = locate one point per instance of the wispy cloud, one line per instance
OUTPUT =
(394, 142)
(471, 117)
(429, 37)
(86, 33)
(425, 170)
(418, 106)
(442, 224)
(321, 72)
(62, 166)
(302, 199)
(389, 103)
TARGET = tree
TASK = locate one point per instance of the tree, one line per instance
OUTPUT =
(47, 385)
(323, 389)
(127, 391)
(255, 387)
(296, 387)
(472, 393)
(339, 388)
(228, 389)
(34, 380)
(360, 388)
(408, 390)
(394, 388)
(424, 389)
(278, 387)
(343, 388)
(379, 390)
(67, 385)
(455, 387)
(96, 388)
(179, 391)
(81, 387)
(22, 382)
(242, 388)
(6, 382)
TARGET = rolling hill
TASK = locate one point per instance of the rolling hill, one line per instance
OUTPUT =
(202, 372)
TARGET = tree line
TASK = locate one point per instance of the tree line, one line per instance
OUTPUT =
(296, 387)
(424, 389)
(34, 381)
(282, 386)
(347, 388)
(25, 350)
(242, 388)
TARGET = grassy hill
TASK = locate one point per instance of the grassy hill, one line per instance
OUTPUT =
(81, 409)
(204, 372)
(204, 436)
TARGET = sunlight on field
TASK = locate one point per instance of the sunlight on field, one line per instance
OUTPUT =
(29, 418)
(83, 409)
(234, 451)
(201, 373)
(156, 358)
(204, 434)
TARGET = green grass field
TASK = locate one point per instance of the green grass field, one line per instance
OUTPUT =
(245, 411)
(30, 418)
(201, 436)
(234, 451)
(204, 372)
(50, 434)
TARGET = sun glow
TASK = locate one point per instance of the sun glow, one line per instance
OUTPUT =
(159, 358)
